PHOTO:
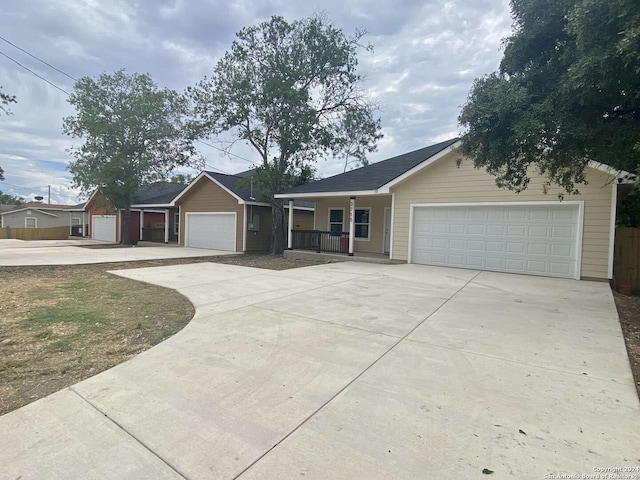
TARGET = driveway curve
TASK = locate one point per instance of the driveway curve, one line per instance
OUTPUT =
(350, 371)
(75, 252)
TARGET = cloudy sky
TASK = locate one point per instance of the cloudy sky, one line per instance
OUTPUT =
(426, 56)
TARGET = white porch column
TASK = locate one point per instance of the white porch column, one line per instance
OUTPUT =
(70, 223)
(141, 223)
(352, 224)
(290, 238)
(166, 225)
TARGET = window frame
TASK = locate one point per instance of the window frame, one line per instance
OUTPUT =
(329, 222)
(368, 224)
(176, 223)
(35, 222)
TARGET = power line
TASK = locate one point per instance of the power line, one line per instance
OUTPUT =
(40, 60)
(75, 79)
(31, 71)
(224, 151)
(218, 169)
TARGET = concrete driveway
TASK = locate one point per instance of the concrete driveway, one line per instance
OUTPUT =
(350, 371)
(69, 252)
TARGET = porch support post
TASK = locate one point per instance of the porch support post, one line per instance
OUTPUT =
(290, 238)
(166, 225)
(352, 224)
(70, 223)
(141, 223)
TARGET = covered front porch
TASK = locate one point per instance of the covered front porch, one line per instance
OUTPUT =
(346, 225)
(155, 225)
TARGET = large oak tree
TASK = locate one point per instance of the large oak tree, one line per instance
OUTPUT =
(133, 133)
(567, 92)
(292, 91)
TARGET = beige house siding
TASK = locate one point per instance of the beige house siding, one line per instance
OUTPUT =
(259, 240)
(302, 219)
(376, 225)
(444, 182)
(206, 196)
(17, 219)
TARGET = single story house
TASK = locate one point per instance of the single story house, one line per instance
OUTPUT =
(226, 212)
(149, 215)
(36, 215)
(421, 207)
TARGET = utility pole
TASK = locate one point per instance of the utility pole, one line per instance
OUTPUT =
(49, 194)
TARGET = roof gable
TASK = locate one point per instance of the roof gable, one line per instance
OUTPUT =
(375, 175)
(45, 211)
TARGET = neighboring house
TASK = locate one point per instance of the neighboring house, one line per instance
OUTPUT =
(152, 215)
(36, 215)
(225, 212)
(421, 207)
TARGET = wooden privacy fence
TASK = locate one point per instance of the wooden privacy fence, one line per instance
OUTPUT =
(626, 257)
(52, 233)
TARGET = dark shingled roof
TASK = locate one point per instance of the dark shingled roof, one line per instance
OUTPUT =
(243, 188)
(374, 175)
(160, 193)
(240, 184)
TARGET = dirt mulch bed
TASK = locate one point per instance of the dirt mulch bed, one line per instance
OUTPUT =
(629, 313)
(62, 324)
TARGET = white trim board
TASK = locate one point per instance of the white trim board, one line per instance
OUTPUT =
(429, 161)
(578, 203)
(358, 193)
(196, 180)
(33, 208)
(612, 228)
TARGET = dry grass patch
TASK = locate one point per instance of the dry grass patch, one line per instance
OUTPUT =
(60, 325)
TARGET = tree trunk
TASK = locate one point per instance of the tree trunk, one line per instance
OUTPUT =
(126, 226)
(277, 229)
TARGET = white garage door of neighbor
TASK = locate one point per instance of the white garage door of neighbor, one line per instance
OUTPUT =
(103, 227)
(211, 230)
(534, 239)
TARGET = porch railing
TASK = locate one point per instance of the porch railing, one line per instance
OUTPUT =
(153, 235)
(319, 241)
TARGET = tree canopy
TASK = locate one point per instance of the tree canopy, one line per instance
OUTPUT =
(133, 134)
(567, 92)
(8, 199)
(292, 91)
(181, 178)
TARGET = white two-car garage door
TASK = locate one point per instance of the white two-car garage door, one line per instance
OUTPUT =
(527, 239)
(216, 231)
(103, 227)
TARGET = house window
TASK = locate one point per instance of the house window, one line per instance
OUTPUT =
(336, 220)
(362, 219)
(176, 223)
(30, 222)
(75, 221)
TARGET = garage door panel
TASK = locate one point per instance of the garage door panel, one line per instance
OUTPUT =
(539, 231)
(562, 232)
(561, 250)
(103, 227)
(533, 239)
(516, 230)
(538, 249)
(495, 230)
(215, 231)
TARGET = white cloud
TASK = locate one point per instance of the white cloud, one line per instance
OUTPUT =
(426, 55)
